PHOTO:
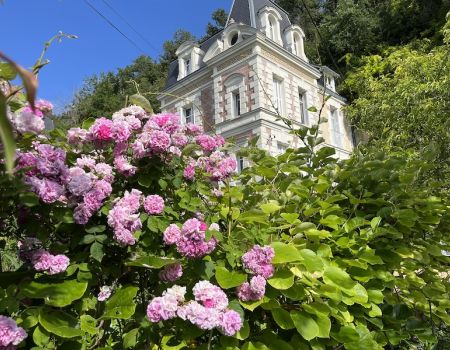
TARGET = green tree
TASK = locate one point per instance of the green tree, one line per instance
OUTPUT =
(307, 14)
(219, 18)
(171, 46)
(352, 28)
(103, 94)
(402, 99)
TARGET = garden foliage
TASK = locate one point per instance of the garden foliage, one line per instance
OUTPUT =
(133, 232)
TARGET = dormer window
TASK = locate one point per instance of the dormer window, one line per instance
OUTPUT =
(270, 19)
(234, 39)
(189, 59)
(295, 45)
(329, 82)
(271, 29)
(294, 37)
(187, 65)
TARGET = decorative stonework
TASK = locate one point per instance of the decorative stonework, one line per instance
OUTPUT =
(242, 56)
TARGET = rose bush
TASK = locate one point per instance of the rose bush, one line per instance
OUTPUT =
(135, 232)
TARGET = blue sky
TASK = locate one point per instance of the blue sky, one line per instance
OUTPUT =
(28, 24)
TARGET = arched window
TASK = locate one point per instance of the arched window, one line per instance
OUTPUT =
(271, 28)
(295, 46)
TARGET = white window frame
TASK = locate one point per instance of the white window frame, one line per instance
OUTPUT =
(281, 148)
(187, 66)
(337, 135)
(303, 107)
(236, 96)
(271, 28)
(191, 115)
(240, 163)
(278, 98)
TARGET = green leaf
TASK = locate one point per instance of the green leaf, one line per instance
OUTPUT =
(354, 223)
(145, 180)
(95, 229)
(282, 279)
(235, 305)
(332, 221)
(375, 222)
(254, 346)
(311, 261)
(347, 334)
(324, 324)
(96, 251)
(7, 137)
(284, 253)
(29, 199)
(41, 337)
(290, 217)
(7, 72)
(337, 277)
(130, 338)
(141, 101)
(244, 332)
(283, 319)
(88, 324)
(305, 324)
(87, 123)
(368, 255)
(60, 323)
(252, 305)
(151, 262)
(58, 294)
(253, 215)
(271, 207)
(227, 279)
(121, 304)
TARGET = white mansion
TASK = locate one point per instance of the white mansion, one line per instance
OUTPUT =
(236, 82)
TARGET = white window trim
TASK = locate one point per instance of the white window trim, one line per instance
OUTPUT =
(192, 116)
(337, 136)
(237, 104)
(303, 107)
(278, 94)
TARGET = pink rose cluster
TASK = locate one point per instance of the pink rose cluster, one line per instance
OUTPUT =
(209, 143)
(258, 261)
(41, 259)
(253, 290)
(84, 186)
(29, 120)
(10, 333)
(136, 135)
(124, 218)
(209, 310)
(132, 134)
(45, 172)
(190, 241)
(89, 184)
(171, 273)
(218, 165)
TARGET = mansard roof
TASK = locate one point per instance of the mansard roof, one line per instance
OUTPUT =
(173, 67)
(246, 12)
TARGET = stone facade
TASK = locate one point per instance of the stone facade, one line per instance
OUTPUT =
(249, 73)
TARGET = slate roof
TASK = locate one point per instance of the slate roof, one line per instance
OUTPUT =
(240, 13)
(173, 67)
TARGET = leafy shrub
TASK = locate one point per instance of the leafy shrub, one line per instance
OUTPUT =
(136, 235)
